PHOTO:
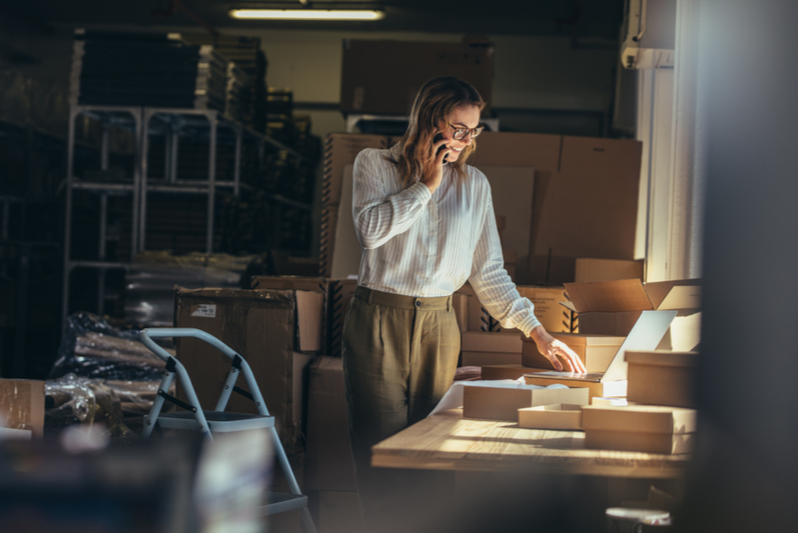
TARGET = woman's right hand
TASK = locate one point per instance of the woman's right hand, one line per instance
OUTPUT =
(433, 167)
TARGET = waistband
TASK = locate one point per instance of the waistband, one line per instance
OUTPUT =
(436, 303)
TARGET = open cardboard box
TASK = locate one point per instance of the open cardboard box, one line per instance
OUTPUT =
(640, 428)
(595, 351)
(554, 416)
(502, 403)
(649, 329)
(661, 378)
(613, 307)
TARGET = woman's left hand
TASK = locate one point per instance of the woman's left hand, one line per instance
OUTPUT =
(552, 348)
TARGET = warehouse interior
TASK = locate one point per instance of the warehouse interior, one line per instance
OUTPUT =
(648, 145)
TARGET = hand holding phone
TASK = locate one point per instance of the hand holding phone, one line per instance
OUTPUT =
(432, 173)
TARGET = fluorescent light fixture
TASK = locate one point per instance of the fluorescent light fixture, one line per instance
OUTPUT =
(305, 14)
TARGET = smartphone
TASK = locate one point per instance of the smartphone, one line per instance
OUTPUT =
(436, 138)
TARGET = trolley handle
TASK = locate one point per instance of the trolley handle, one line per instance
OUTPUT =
(147, 335)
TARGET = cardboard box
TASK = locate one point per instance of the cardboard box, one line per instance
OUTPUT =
(500, 403)
(490, 358)
(383, 76)
(631, 441)
(645, 335)
(613, 307)
(513, 371)
(329, 459)
(611, 402)
(485, 341)
(612, 389)
(587, 270)
(546, 306)
(595, 351)
(662, 378)
(341, 150)
(266, 327)
(637, 428)
(310, 284)
(22, 405)
(555, 416)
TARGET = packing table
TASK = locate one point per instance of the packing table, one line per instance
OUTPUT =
(448, 441)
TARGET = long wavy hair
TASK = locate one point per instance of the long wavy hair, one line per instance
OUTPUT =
(434, 103)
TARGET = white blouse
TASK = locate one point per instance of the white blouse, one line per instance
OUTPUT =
(420, 244)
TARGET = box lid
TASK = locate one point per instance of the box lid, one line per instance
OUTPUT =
(662, 358)
(640, 418)
(608, 296)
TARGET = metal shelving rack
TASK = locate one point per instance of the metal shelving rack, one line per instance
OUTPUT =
(146, 123)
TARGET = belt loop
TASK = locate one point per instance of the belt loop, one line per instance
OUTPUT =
(448, 302)
(369, 298)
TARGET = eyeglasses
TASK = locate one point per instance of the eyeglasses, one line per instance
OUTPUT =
(461, 133)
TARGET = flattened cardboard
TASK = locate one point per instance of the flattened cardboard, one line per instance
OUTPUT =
(512, 198)
(347, 251)
(490, 358)
(341, 150)
(329, 463)
(661, 378)
(484, 341)
(556, 416)
(499, 403)
(537, 150)
(588, 269)
(22, 405)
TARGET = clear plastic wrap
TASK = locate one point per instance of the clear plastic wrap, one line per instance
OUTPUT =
(73, 399)
(92, 348)
(151, 280)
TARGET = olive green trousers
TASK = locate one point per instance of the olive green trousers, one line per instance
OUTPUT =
(400, 355)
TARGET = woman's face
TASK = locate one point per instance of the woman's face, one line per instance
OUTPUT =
(463, 117)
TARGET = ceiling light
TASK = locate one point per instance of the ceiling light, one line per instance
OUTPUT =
(305, 14)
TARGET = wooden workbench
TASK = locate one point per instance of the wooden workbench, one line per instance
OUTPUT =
(448, 441)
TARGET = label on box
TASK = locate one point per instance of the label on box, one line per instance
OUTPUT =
(206, 310)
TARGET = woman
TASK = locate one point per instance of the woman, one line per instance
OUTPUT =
(426, 225)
